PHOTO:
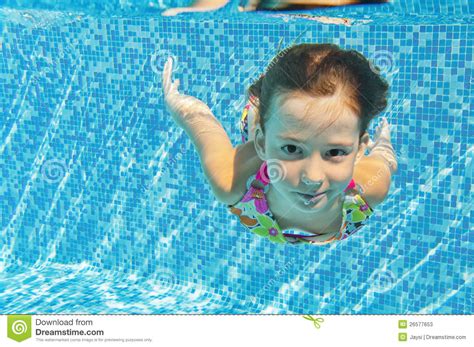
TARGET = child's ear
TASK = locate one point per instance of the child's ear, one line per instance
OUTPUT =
(363, 143)
(259, 142)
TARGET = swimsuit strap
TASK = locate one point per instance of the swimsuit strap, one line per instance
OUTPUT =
(350, 186)
(262, 174)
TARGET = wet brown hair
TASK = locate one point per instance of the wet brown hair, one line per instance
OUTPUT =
(322, 70)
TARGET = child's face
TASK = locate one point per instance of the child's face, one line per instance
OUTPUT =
(323, 148)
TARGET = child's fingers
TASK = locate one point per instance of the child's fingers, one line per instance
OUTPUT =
(169, 87)
(177, 10)
(174, 87)
(170, 12)
(166, 77)
(378, 130)
(382, 124)
(370, 144)
(383, 130)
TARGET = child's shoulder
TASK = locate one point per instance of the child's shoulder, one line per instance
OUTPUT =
(370, 197)
(373, 177)
(246, 164)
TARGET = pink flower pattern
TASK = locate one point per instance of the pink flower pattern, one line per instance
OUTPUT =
(258, 196)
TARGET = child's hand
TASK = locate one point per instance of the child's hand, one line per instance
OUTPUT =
(209, 137)
(196, 6)
(250, 6)
(382, 144)
(173, 11)
(382, 134)
(183, 108)
(177, 10)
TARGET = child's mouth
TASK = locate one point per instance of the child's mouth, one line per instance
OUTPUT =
(311, 199)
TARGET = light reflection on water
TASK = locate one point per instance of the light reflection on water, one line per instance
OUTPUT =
(54, 288)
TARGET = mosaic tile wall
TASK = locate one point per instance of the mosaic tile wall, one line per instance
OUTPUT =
(93, 169)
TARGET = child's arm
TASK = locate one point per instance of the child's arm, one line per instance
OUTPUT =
(209, 3)
(223, 165)
(251, 5)
(317, 2)
(373, 175)
(374, 171)
(197, 6)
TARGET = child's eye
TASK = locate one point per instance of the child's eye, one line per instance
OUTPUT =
(334, 152)
(291, 149)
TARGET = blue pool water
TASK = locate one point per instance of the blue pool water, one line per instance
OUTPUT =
(104, 206)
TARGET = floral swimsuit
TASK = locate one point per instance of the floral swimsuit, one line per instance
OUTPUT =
(255, 215)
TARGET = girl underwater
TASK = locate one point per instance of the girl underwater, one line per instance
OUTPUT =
(302, 165)
(268, 5)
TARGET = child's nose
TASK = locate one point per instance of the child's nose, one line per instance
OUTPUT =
(313, 171)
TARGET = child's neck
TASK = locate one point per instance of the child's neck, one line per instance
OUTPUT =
(288, 216)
